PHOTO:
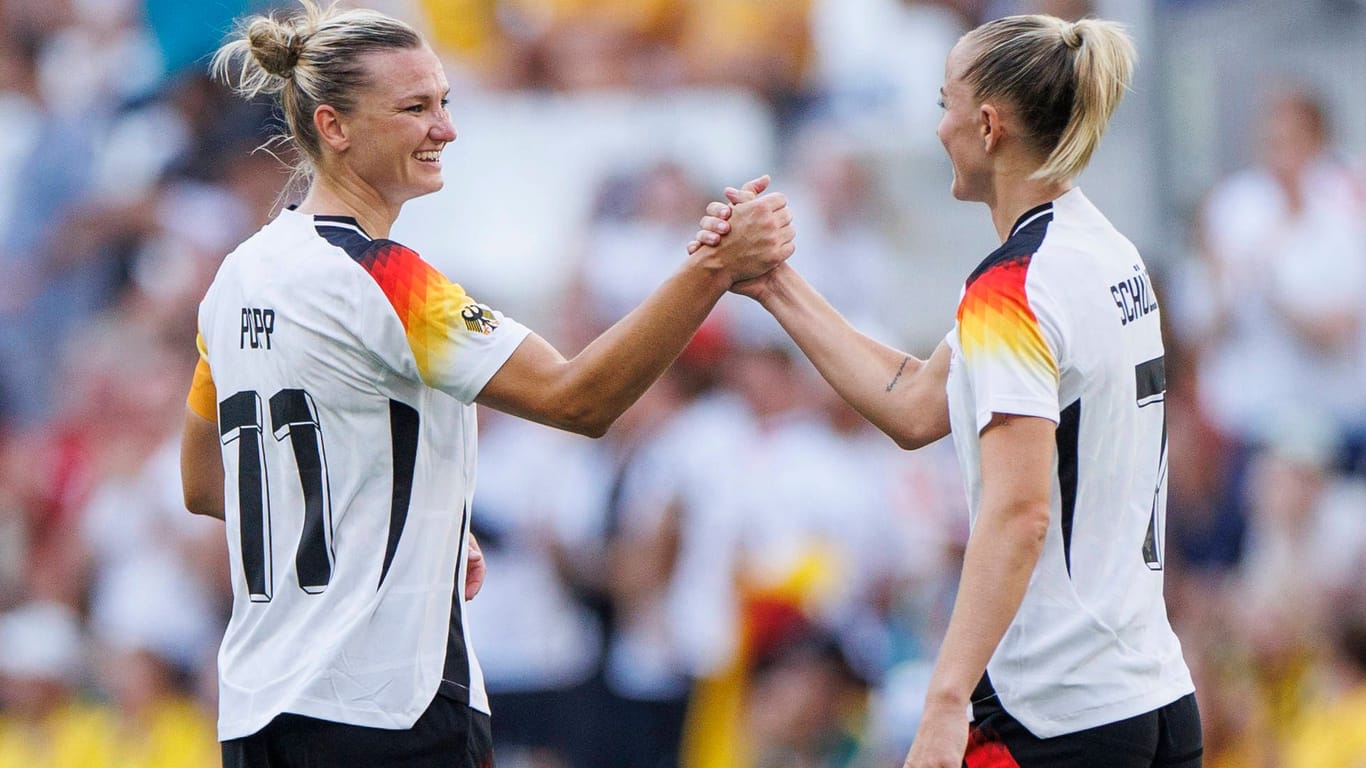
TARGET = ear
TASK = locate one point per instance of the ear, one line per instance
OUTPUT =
(332, 132)
(990, 125)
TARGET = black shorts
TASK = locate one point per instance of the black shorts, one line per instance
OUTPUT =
(448, 735)
(1168, 737)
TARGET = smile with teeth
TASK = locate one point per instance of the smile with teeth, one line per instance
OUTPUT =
(431, 156)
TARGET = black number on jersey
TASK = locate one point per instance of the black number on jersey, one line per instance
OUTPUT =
(294, 415)
(1151, 380)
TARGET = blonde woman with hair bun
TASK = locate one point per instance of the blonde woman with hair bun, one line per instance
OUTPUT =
(331, 419)
(1052, 383)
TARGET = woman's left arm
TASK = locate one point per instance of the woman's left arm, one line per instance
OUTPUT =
(1017, 466)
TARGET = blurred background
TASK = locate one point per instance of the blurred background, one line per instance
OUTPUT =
(741, 573)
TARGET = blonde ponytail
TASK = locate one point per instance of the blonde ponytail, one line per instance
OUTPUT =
(1064, 79)
(1103, 66)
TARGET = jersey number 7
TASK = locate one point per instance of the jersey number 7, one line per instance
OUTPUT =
(1151, 386)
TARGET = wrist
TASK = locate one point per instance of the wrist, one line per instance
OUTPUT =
(778, 288)
(947, 698)
(714, 270)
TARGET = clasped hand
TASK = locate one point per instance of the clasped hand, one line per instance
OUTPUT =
(751, 234)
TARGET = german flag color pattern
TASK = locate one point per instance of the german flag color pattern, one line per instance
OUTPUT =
(995, 319)
(427, 303)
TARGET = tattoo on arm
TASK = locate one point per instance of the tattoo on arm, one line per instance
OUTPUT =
(899, 371)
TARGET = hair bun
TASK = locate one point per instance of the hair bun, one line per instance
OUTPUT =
(276, 47)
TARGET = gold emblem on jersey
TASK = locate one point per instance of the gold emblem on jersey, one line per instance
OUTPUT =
(479, 318)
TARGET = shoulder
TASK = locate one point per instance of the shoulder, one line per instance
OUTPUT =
(1081, 241)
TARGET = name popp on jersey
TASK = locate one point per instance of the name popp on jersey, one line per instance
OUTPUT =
(1134, 297)
(257, 326)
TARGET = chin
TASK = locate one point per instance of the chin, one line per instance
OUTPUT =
(962, 193)
(421, 190)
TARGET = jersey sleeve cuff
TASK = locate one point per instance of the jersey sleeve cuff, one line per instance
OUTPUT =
(1016, 406)
(203, 397)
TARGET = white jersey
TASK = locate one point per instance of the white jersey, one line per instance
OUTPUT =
(344, 370)
(1061, 323)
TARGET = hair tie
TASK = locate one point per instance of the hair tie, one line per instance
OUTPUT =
(1071, 36)
(294, 45)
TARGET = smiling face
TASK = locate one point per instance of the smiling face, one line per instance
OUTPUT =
(961, 129)
(400, 124)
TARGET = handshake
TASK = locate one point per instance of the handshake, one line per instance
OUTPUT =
(747, 236)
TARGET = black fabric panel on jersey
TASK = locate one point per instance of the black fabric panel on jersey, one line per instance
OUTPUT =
(983, 698)
(1150, 386)
(455, 674)
(403, 431)
(243, 413)
(345, 238)
(351, 220)
(1068, 433)
(1021, 244)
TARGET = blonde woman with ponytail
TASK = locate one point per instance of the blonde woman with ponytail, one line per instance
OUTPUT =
(1052, 381)
(331, 420)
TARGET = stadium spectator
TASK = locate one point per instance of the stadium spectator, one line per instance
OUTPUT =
(540, 642)
(167, 184)
(43, 721)
(1331, 732)
(1282, 281)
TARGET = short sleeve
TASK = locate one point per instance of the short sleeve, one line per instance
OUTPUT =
(458, 343)
(1010, 333)
(203, 397)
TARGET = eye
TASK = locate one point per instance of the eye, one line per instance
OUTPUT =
(445, 103)
(940, 102)
(415, 109)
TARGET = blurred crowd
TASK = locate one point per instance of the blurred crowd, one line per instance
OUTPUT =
(741, 572)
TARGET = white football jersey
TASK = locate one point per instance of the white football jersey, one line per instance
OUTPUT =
(343, 370)
(1061, 323)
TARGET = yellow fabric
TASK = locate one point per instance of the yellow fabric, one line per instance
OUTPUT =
(1331, 735)
(176, 735)
(470, 29)
(203, 397)
(713, 735)
(465, 28)
(775, 36)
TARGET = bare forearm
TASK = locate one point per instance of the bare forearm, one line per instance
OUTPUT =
(1000, 558)
(615, 369)
(586, 394)
(884, 384)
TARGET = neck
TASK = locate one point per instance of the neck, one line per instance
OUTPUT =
(1014, 190)
(1014, 200)
(346, 195)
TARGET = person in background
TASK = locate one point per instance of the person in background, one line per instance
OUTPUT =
(1274, 308)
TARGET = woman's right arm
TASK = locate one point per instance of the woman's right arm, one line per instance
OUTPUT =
(588, 392)
(898, 393)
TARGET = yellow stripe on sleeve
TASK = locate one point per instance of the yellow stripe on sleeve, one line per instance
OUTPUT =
(203, 397)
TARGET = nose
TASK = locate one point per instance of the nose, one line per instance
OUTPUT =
(444, 129)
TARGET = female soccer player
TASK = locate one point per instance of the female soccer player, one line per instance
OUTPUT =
(334, 395)
(1052, 383)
